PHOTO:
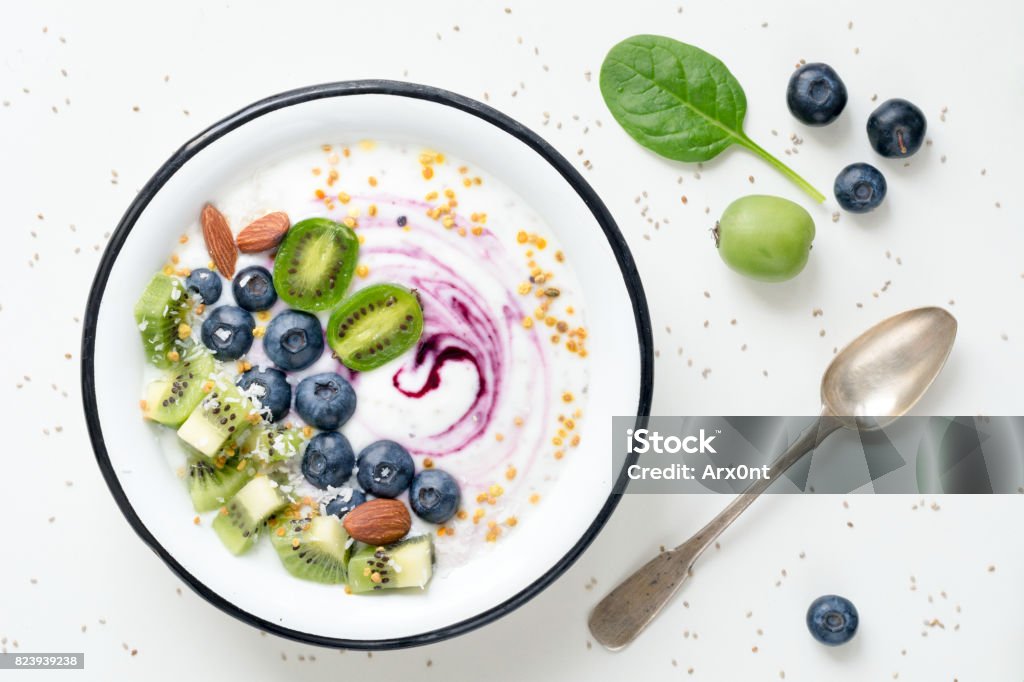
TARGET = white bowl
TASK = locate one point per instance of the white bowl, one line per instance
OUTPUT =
(254, 588)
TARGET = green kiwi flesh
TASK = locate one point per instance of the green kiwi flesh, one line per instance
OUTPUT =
(163, 306)
(314, 549)
(374, 326)
(221, 417)
(238, 522)
(407, 563)
(315, 263)
(171, 399)
(272, 443)
(210, 487)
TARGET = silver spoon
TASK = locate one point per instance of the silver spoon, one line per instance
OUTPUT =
(868, 385)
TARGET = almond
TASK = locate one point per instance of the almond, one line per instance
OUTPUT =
(219, 240)
(263, 233)
(378, 522)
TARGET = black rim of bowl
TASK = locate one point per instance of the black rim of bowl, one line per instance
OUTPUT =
(343, 89)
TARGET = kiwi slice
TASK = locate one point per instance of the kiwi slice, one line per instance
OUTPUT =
(170, 400)
(273, 443)
(159, 312)
(221, 417)
(374, 326)
(314, 264)
(314, 549)
(238, 522)
(408, 563)
(210, 487)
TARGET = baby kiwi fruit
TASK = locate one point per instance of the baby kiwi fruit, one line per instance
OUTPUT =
(375, 326)
(315, 263)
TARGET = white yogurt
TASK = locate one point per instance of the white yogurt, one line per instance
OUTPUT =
(488, 394)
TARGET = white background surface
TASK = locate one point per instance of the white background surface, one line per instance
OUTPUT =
(74, 577)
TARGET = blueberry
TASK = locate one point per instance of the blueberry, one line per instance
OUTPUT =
(294, 340)
(325, 401)
(254, 288)
(228, 332)
(274, 392)
(328, 460)
(860, 188)
(343, 504)
(434, 495)
(385, 469)
(816, 94)
(832, 620)
(205, 284)
(896, 128)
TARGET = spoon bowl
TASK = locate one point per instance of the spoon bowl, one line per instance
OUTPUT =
(882, 373)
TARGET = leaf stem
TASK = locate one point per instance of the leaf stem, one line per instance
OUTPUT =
(782, 168)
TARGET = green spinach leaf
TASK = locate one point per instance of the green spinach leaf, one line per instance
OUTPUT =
(679, 101)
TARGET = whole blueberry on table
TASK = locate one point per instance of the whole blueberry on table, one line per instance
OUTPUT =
(832, 619)
(228, 332)
(328, 460)
(205, 284)
(896, 129)
(434, 495)
(274, 392)
(325, 400)
(253, 288)
(860, 188)
(343, 504)
(385, 469)
(294, 340)
(816, 94)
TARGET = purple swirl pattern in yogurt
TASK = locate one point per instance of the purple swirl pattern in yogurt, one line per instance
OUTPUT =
(464, 324)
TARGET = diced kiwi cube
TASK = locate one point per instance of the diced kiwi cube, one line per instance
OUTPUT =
(272, 443)
(210, 487)
(408, 563)
(159, 314)
(171, 399)
(238, 522)
(314, 549)
(220, 418)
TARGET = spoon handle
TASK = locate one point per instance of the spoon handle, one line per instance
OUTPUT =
(629, 608)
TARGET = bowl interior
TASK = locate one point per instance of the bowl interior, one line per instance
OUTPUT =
(256, 583)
